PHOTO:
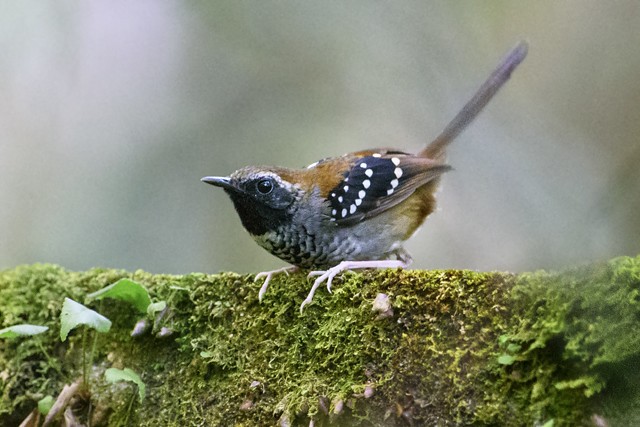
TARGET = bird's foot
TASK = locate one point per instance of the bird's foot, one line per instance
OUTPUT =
(329, 274)
(268, 275)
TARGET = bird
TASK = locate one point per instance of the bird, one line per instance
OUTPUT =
(353, 211)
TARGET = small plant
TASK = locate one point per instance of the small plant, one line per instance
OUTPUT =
(114, 375)
(74, 314)
(22, 331)
(138, 296)
(156, 307)
(26, 330)
(125, 290)
(45, 404)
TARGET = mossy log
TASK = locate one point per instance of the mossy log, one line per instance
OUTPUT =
(455, 348)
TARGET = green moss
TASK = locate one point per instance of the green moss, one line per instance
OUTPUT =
(579, 334)
(461, 348)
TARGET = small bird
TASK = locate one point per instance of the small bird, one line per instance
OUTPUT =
(354, 211)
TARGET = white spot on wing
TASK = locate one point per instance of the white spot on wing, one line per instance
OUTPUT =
(346, 188)
(340, 199)
(344, 213)
(352, 209)
(368, 172)
(397, 172)
(362, 193)
(394, 183)
(366, 183)
(363, 165)
(395, 160)
(377, 155)
(390, 192)
(358, 202)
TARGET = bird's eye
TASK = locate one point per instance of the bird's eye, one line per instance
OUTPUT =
(265, 186)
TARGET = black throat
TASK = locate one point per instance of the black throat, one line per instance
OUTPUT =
(256, 217)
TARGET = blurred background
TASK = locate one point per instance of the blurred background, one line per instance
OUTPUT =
(112, 111)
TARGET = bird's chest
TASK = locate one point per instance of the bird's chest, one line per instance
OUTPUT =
(322, 247)
(300, 246)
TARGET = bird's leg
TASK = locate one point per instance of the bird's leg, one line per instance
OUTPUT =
(269, 274)
(404, 256)
(403, 261)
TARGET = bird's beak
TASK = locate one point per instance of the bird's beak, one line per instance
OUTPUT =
(218, 181)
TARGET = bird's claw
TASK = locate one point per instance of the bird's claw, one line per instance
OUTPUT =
(268, 275)
(329, 274)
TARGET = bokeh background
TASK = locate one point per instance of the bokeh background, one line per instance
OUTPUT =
(111, 112)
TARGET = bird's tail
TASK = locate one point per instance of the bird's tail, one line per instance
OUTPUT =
(469, 112)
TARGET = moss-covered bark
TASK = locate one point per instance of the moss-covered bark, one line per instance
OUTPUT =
(460, 348)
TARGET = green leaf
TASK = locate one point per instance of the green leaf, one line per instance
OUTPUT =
(126, 290)
(513, 348)
(506, 359)
(75, 314)
(155, 307)
(22, 331)
(45, 404)
(114, 375)
(549, 423)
